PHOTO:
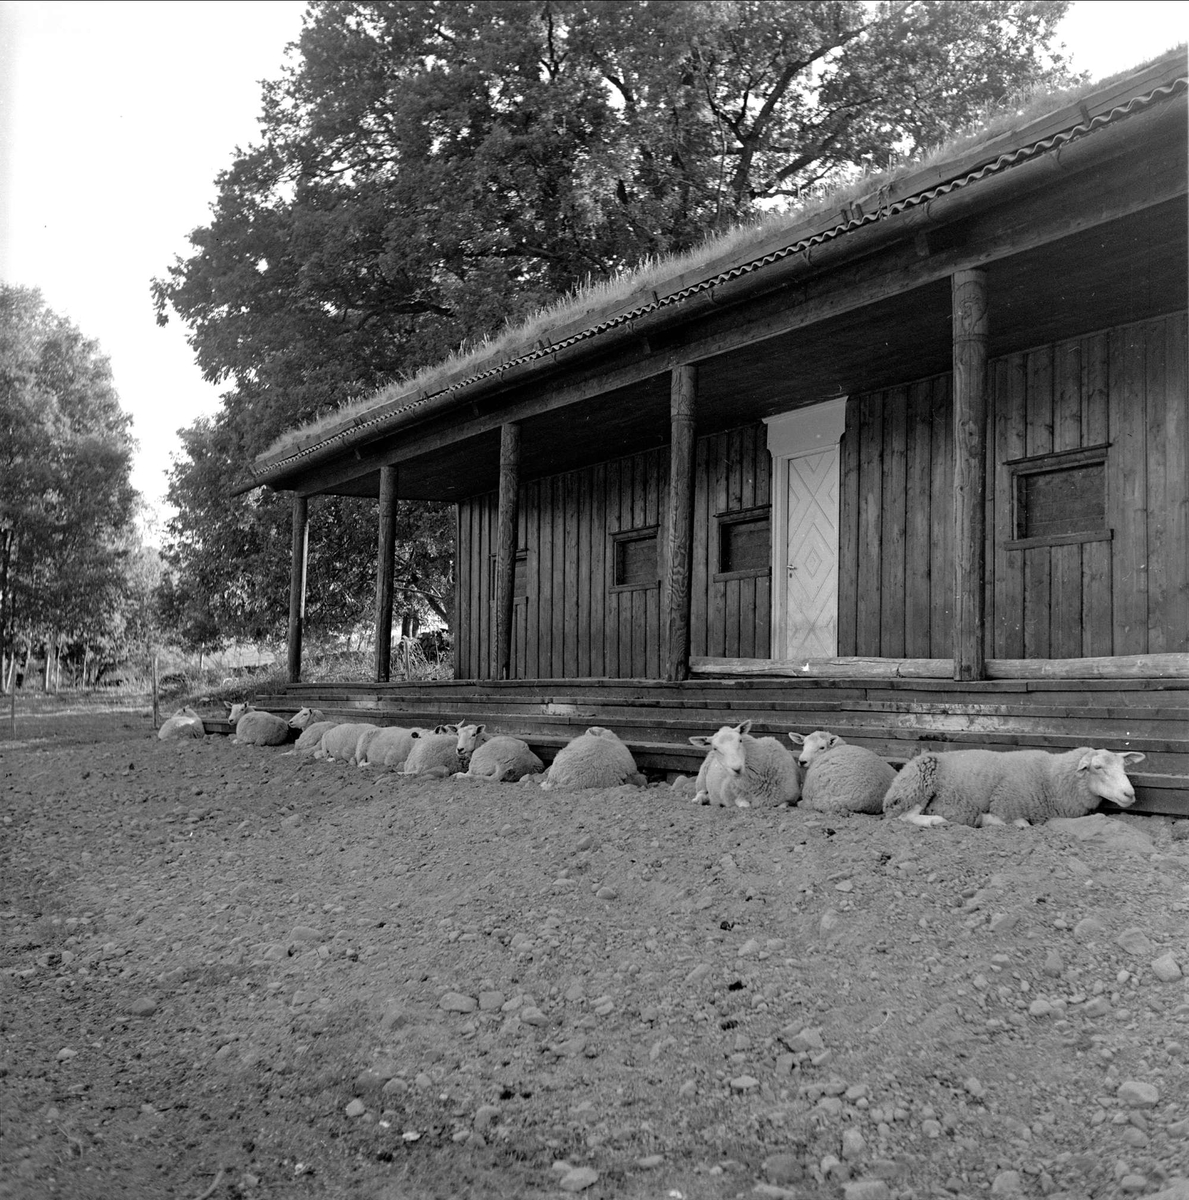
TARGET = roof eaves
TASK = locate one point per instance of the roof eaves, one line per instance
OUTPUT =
(1001, 154)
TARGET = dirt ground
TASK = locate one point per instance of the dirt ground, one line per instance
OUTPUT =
(228, 972)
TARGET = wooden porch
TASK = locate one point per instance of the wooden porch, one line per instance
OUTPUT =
(893, 716)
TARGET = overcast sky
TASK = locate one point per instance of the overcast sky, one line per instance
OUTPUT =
(115, 118)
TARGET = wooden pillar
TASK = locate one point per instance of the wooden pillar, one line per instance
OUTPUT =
(970, 324)
(680, 520)
(505, 546)
(297, 583)
(385, 565)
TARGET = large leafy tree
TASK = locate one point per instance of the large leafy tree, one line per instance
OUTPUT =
(66, 499)
(430, 169)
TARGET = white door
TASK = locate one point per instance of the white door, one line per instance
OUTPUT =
(805, 474)
(811, 556)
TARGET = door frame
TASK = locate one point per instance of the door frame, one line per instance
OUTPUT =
(807, 430)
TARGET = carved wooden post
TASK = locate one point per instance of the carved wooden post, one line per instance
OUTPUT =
(385, 564)
(297, 583)
(680, 520)
(505, 546)
(970, 323)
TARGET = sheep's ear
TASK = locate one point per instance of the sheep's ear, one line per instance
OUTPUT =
(798, 739)
(226, 706)
(743, 729)
(479, 729)
(416, 732)
(1086, 761)
(1132, 757)
(702, 743)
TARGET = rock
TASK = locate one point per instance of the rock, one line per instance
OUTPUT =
(1003, 922)
(1040, 1008)
(533, 1016)
(491, 1001)
(1053, 964)
(457, 1002)
(866, 1189)
(698, 973)
(1166, 968)
(1135, 941)
(1088, 927)
(854, 1145)
(1098, 1007)
(1104, 831)
(783, 1168)
(649, 1161)
(356, 1108)
(1137, 1094)
(485, 1117)
(751, 946)
(1006, 1183)
(744, 1083)
(605, 893)
(578, 1179)
(306, 933)
(143, 1006)
(1175, 1191)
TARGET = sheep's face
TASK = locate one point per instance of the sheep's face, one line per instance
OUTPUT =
(727, 745)
(1106, 775)
(814, 744)
(238, 710)
(302, 719)
(468, 739)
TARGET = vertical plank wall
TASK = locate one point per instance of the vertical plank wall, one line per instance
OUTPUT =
(572, 622)
(1125, 387)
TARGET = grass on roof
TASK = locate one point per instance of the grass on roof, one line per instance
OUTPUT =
(599, 298)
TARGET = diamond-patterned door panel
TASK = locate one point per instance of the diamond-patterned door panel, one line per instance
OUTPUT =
(811, 542)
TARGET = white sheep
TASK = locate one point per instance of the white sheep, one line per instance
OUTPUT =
(813, 744)
(992, 787)
(387, 747)
(596, 758)
(739, 769)
(305, 717)
(185, 723)
(259, 728)
(504, 758)
(434, 754)
(844, 779)
(341, 741)
(310, 741)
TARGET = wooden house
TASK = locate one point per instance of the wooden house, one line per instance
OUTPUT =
(914, 468)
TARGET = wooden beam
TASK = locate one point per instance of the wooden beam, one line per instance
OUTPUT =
(1124, 666)
(680, 520)
(970, 323)
(297, 582)
(385, 568)
(505, 546)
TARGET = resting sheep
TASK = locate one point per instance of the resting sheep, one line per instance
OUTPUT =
(305, 717)
(185, 723)
(470, 738)
(310, 741)
(255, 727)
(989, 787)
(841, 778)
(434, 754)
(594, 759)
(387, 747)
(341, 741)
(504, 758)
(739, 769)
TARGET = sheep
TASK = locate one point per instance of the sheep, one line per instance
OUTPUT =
(185, 723)
(434, 754)
(259, 728)
(470, 738)
(596, 758)
(341, 741)
(305, 717)
(990, 787)
(845, 779)
(310, 741)
(387, 747)
(504, 758)
(813, 744)
(740, 769)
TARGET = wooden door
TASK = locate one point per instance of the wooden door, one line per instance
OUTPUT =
(811, 556)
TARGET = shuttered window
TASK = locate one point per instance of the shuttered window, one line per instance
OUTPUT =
(636, 560)
(1059, 498)
(744, 543)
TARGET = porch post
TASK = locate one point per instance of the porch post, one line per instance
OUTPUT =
(385, 564)
(505, 546)
(297, 582)
(680, 520)
(970, 325)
